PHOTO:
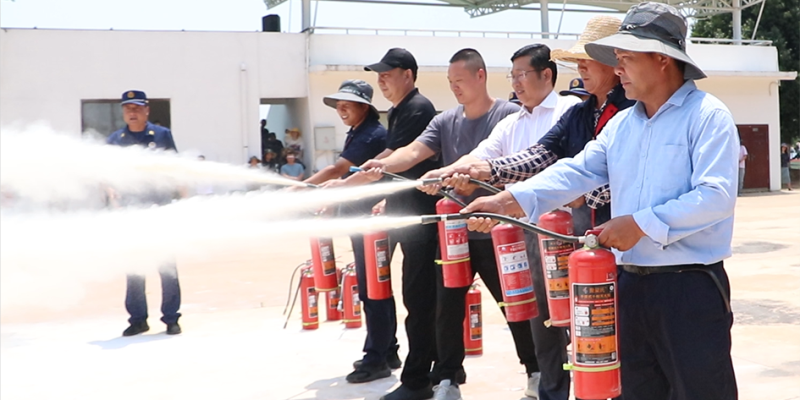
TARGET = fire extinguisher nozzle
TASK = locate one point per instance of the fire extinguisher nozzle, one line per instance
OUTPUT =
(431, 219)
(432, 181)
(355, 169)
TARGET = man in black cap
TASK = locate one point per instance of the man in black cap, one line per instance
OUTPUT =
(366, 139)
(410, 114)
(139, 131)
(671, 161)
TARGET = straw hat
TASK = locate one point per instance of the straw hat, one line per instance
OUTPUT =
(597, 28)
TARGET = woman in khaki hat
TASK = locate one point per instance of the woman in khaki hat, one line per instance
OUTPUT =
(293, 142)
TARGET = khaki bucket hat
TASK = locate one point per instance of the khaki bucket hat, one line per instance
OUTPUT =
(596, 28)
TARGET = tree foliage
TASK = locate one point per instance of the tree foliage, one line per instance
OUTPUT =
(780, 23)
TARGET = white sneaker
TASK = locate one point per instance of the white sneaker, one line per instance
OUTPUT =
(444, 391)
(532, 390)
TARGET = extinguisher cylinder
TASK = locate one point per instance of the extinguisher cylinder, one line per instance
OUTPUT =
(351, 303)
(473, 323)
(516, 281)
(324, 263)
(378, 269)
(308, 300)
(454, 247)
(594, 324)
(555, 265)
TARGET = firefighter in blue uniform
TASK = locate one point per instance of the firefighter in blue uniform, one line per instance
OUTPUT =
(139, 131)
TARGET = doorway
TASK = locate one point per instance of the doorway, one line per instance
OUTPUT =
(755, 139)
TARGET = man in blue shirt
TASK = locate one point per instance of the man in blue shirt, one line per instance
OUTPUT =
(139, 131)
(365, 140)
(671, 161)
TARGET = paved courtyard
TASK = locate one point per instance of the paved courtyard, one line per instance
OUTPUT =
(234, 345)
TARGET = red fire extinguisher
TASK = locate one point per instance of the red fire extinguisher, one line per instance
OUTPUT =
(593, 300)
(511, 254)
(332, 300)
(454, 246)
(324, 263)
(376, 257)
(350, 304)
(555, 265)
(308, 301)
(473, 323)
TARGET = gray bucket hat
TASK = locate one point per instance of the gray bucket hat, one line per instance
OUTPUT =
(648, 28)
(354, 90)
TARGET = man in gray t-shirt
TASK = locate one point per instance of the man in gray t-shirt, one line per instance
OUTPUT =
(450, 135)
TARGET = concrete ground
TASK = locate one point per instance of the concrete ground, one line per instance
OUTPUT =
(234, 346)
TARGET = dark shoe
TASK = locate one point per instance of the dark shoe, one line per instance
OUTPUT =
(369, 373)
(173, 329)
(392, 359)
(136, 328)
(461, 376)
(404, 393)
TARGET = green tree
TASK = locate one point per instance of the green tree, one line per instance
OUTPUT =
(780, 23)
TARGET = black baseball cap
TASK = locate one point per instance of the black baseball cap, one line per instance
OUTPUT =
(394, 58)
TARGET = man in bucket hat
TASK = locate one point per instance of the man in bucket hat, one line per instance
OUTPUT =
(671, 161)
(365, 140)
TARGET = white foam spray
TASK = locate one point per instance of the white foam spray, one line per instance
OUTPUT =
(48, 258)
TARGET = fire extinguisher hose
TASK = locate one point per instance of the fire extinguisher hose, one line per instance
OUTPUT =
(589, 240)
(424, 182)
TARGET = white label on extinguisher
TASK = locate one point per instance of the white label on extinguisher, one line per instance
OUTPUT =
(595, 324)
(514, 260)
(457, 239)
(356, 301)
(475, 325)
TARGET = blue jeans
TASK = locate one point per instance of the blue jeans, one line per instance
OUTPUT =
(136, 301)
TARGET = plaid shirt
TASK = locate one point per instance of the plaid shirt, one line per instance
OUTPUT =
(529, 162)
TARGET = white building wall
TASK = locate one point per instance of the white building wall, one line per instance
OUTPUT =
(214, 80)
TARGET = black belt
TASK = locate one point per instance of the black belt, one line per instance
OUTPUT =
(644, 271)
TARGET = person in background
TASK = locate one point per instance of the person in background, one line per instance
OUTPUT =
(293, 142)
(786, 179)
(576, 89)
(512, 98)
(273, 144)
(291, 169)
(264, 135)
(254, 163)
(270, 161)
(742, 160)
(138, 131)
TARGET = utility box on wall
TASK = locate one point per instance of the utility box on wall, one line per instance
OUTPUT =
(325, 138)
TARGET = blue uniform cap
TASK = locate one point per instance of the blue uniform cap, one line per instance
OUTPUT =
(134, 97)
(575, 88)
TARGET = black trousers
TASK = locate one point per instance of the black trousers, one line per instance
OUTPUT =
(380, 315)
(450, 316)
(550, 342)
(419, 296)
(675, 336)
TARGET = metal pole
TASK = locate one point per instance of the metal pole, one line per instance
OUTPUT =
(306, 14)
(737, 22)
(545, 17)
(758, 20)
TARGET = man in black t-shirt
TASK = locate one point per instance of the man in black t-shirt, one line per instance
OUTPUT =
(410, 114)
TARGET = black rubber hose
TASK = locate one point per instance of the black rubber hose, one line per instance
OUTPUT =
(429, 219)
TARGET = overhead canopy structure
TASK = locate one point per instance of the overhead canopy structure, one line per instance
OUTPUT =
(477, 8)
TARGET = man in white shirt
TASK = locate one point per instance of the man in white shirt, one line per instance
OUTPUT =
(533, 76)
